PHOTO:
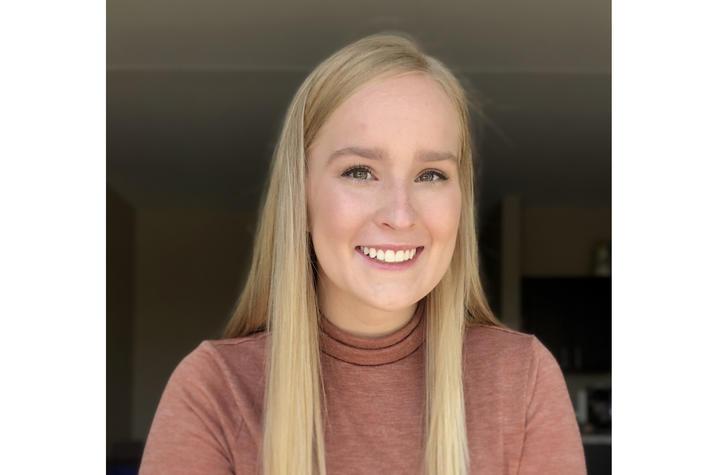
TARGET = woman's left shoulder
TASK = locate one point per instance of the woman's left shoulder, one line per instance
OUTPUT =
(497, 336)
(495, 342)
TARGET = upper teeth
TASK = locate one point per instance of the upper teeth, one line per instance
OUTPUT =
(389, 255)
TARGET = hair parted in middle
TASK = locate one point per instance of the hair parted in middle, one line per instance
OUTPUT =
(280, 297)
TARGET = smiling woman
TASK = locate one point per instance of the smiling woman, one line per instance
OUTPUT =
(400, 121)
(362, 341)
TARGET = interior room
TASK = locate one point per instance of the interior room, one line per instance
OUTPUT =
(196, 92)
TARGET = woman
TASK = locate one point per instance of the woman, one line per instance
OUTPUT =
(362, 341)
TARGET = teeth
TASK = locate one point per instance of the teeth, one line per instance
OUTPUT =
(389, 255)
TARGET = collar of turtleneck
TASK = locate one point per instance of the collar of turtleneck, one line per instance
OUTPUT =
(364, 351)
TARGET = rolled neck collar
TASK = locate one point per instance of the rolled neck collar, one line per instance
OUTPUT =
(365, 351)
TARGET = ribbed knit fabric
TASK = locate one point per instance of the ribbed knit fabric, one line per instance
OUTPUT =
(346, 347)
(519, 416)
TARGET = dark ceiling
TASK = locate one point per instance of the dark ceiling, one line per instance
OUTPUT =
(196, 91)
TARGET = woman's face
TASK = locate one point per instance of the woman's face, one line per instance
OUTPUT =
(382, 174)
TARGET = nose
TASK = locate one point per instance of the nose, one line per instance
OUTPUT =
(397, 208)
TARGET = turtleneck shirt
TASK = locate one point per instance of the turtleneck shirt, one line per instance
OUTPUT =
(519, 415)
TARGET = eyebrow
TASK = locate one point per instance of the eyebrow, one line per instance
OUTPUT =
(379, 154)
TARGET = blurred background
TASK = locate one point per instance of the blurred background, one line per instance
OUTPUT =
(196, 92)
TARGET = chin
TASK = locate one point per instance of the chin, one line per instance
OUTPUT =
(390, 304)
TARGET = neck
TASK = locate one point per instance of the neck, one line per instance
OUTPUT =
(359, 318)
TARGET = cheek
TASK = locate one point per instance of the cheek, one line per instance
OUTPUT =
(335, 220)
(442, 214)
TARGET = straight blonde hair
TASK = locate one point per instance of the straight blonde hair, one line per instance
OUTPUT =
(279, 295)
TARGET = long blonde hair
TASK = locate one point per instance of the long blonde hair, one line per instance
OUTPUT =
(280, 297)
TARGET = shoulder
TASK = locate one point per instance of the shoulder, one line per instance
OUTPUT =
(237, 357)
(232, 350)
(516, 369)
(495, 339)
(507, 352)
(215, 365)
(222, 351)
(210, 399)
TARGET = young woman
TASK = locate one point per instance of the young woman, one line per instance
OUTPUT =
(362, 342)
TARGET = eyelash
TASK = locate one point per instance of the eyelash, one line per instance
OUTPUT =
(441, 176)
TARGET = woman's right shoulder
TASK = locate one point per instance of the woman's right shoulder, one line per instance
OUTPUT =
(230, 372)
(254, 342)
(227, 359)
(210, 396)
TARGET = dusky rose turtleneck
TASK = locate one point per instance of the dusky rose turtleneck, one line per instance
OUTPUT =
(519, 415)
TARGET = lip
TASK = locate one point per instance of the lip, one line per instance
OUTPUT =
(391, 266)
(392, 247)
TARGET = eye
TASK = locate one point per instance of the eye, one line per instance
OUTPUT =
(361, 173)
(356, 173)
(440, 176)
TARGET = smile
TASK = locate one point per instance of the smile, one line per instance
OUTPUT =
(389, 259)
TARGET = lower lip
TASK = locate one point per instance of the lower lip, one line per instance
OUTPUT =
(390, 265)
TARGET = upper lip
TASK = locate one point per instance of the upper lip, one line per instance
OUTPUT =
(393, 247)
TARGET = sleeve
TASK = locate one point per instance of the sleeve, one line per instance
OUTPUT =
(190, 433)
(552, 439)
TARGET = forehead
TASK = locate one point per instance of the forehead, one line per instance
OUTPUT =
(409, 110)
